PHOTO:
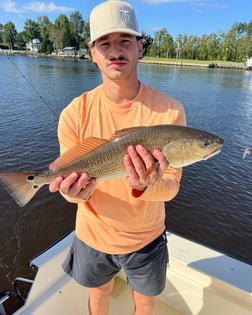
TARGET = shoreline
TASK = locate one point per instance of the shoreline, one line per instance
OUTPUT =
(237, 66)
(218, 65)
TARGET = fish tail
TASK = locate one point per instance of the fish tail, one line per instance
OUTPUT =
(21, 186)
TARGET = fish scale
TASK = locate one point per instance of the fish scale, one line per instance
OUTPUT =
(107, 161)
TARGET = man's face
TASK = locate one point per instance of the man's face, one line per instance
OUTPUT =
(117, 55)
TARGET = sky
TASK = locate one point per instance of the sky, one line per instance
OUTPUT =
(191, 17)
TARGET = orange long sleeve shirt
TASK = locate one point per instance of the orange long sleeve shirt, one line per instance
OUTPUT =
(113, 221)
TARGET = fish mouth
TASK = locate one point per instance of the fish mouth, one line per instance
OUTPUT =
(215, 152)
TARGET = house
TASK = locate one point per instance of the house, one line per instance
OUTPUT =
(34, 45)
(248, 63)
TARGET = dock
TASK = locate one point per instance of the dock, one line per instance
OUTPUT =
(239, 66)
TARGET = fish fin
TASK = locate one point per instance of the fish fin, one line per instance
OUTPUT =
(125, 131)
(20, 186)
(151, 169)
(77, 152)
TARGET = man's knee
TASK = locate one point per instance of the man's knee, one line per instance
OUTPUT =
(144, 304)
(101, 294)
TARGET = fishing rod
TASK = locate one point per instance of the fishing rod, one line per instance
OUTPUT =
(47, 105)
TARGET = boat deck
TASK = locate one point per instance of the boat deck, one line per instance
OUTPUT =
(54, 292)
(200, 281)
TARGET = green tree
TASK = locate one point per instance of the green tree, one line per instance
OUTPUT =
(213, 44)
(45, 26)
(76, 24)
(20, 42)
(9, 34)
(249, 29)
(85, 34)
(161, 43)
(202, 48)
(31, 30)
(60, 33)
(248, 50)
(193, 42)
(1, 30)
(168, 45)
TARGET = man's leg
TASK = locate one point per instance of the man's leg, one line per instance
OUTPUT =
(145, 305)
(99, 299)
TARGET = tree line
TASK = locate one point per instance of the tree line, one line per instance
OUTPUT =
(64, 32)
(234, 44)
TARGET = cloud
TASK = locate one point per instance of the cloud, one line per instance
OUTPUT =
(199, 3)
(9, 6)
(38, 6)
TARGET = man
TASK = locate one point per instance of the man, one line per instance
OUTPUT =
(120, 222)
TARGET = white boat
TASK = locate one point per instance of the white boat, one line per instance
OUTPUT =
(200, 281)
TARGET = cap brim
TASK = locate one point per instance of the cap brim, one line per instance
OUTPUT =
(115, 30)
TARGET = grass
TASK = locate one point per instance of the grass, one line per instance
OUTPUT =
(207, 62)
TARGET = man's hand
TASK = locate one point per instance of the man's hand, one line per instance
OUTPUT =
(138, 161)
(74, 186)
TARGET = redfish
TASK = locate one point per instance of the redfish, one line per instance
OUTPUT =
(103, 158)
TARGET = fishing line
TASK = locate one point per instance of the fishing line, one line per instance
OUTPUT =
(47, 105)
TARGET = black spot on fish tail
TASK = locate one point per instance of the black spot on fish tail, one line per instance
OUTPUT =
(30, 177)
(20, 186)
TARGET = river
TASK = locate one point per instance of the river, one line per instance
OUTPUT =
(214, 206)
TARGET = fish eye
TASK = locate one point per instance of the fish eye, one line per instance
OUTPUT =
(205, 144)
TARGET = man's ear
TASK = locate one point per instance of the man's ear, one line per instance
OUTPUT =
(92, 52)
(140, 48)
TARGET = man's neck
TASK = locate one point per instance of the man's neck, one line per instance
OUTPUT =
(121, 91)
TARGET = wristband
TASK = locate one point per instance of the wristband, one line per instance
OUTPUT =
(137, 193)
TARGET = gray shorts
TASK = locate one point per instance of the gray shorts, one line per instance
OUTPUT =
(145, 269)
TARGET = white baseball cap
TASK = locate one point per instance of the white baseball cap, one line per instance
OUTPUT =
(112, 16)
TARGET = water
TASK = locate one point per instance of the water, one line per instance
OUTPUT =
(214, 203)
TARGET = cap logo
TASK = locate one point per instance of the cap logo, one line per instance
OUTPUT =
(125, 15)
